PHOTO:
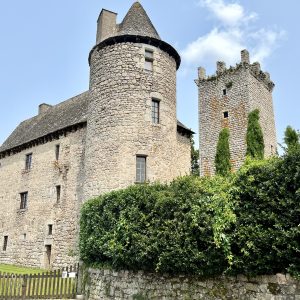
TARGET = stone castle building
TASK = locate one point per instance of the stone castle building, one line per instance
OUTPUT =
(122, 131)
(225, 100)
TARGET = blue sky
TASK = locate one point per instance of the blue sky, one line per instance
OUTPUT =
(45, 46)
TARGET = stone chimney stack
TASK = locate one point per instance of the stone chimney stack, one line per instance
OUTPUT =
(44, 107)
(201, 73)
(221, 67)
(245, 57)
(107, 23)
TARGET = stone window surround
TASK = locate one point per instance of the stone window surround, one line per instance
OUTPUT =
(24, 200)
(28, 161)
(5, 243)
(139, 180)
(149, 59)
(57, 151)
(155, 111)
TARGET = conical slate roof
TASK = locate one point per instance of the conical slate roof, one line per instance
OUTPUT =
(137, 22)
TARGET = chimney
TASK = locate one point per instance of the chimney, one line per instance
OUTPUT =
(201, 73)
(107, 23)
(221, 67)
(245, 57)
(44, 107)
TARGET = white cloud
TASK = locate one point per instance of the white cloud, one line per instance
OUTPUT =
(230, 14)
(232, 34)
(216, 45)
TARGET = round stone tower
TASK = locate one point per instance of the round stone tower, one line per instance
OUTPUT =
(132, 130)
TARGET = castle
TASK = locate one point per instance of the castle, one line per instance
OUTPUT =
(225, 100)
(122, 131)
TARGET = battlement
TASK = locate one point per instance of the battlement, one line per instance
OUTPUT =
(245, 64)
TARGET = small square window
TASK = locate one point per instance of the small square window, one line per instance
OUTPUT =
(58, 192)
(50, 229)
(140, 169)
(155, 111)
(57, 149)
(28, 161)
(5, 242)
(225, 114)
(148, 60)
(224, 92)
(24, 200)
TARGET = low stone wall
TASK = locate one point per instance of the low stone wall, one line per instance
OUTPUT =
(107, 284)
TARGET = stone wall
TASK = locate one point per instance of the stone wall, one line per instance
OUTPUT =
(119, 120)
(246, 88)
(27, 229)
(107, 284)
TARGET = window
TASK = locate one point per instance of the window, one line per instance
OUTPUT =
(225, 114)
(149, 60)
(50, 229)
(24, 236)
(57, 148)
(58, 190)
(155, 111)
(24, 198)
(224, 92)
(140, 169)
(28, 161)
(5, 242)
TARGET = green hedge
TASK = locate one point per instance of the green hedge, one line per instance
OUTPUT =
(177, 228)
(248, 223)
(266, 237)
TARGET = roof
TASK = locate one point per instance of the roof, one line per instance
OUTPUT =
(63, 115)
(137, 22)
(60, 116)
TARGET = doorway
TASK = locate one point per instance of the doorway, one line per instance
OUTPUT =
(48, 257)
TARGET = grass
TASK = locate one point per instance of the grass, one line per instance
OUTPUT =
(19, 270)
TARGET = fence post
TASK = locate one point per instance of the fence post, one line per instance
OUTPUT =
(24, 285)
(79, 281)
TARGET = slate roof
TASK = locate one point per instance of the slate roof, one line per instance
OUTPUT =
(137, 22)
(60, 116)
(63, 115)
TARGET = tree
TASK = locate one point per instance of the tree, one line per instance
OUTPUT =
(222, 159)
(291, 138)
(194, 158)
(255, 138)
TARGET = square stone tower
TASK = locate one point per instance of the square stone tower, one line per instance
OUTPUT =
(225, 100)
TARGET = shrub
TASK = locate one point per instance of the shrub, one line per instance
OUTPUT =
(254, 138)
(222, 159)
(180, 228)
(266, 239)
(291, 138)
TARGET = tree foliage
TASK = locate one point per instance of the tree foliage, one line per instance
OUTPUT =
(291, 137)
(194, 158)
(254, 138)
(244, 223)
(222, 158)
(266, 238)
(180, 228)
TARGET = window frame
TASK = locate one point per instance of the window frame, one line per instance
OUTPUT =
(155, 115)
(141, 173)
(5, 243)
(28, 161)
(149, 59)
(24, 200)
